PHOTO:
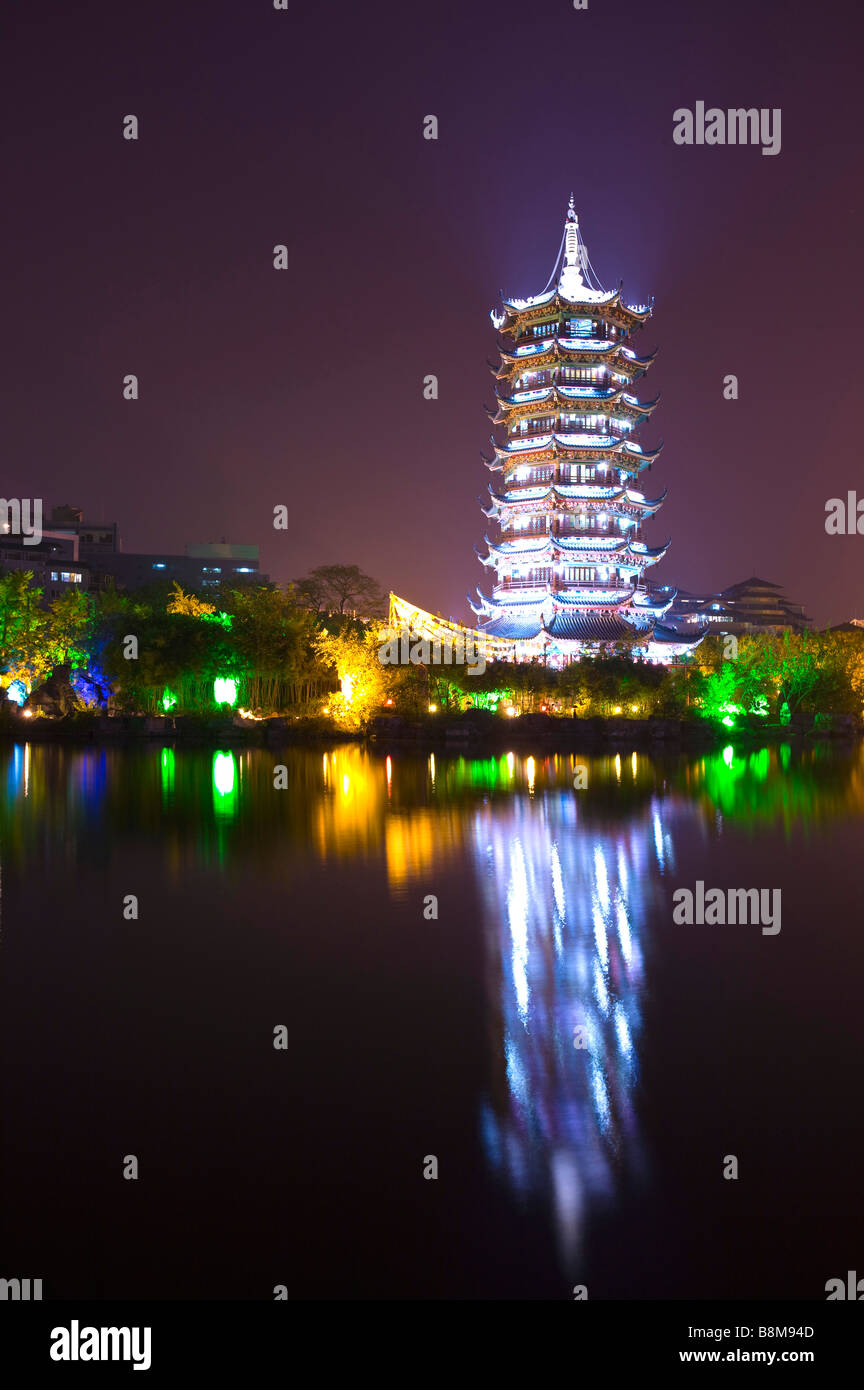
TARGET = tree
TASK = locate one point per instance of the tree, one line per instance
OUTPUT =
(23, 623)
(180, 602)
(364, 681)
(341, 586)
(70, 628)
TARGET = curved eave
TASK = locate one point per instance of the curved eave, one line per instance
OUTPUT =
(592, 301)
(649, 504)
(587, 545)
(669, 636)
(574, 350)
(559, 444)
(568, 396)
(612, 598)
(648, 552)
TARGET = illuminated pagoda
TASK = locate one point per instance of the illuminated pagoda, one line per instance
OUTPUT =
(569, 566)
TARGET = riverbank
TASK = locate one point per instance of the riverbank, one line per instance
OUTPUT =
(475, 729)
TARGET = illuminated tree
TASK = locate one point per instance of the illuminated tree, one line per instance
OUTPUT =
(193, 607)
(24, 650)
(70, 628)
(365, 682)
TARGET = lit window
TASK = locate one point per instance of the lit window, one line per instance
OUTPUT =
(158, 565)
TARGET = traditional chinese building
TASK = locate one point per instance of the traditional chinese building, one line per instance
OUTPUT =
(569, 566)
(753, 605)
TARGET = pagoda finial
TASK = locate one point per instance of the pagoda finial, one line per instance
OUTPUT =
(570, 280)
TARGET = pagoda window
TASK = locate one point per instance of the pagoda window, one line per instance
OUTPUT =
(580, 328)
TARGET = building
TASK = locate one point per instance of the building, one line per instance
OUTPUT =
(202, 566)
(54, 563)
(89, 555)
(568, 569)
(94, 537)
(753, 605)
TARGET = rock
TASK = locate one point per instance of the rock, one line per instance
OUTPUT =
(56, 698)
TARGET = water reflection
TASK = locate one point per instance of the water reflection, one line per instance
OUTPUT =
(564, 903)
(570, 884)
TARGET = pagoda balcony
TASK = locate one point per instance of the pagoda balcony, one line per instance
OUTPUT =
(525, 532)
(602, 538)
(555, 585)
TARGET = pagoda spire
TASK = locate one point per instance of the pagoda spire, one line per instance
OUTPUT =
(570, 281)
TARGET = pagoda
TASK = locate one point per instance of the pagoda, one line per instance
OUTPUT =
(569, 565)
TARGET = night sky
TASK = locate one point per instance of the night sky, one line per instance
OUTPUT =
(304, 387)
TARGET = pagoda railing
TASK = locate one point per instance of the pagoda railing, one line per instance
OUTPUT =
(556, 586)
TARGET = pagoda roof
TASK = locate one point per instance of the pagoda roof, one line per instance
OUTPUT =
(566, 287)
(663, 633)
(588, 627)
(571, 349)
(596, 597)
(514, 627)
(652, 602)
(581, 297)
(568, 395)
(576, 492)
(601, 445)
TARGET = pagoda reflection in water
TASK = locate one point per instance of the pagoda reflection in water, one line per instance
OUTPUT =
(565, 903)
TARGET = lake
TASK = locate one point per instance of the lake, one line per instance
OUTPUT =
(438, 934)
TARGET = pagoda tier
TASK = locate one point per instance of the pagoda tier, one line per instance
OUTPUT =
(566, 355)
(569, 564)
(567, 405)
(563, 503)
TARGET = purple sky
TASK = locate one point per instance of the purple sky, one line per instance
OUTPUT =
(261, 387)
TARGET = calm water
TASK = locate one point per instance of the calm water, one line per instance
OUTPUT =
(411, 1037)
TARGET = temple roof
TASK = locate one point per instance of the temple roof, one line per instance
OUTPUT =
(590, 627)
(570, 349)
(666, 634)
(569, 286)
(568, 396)
(604, 444)
(574, 492)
